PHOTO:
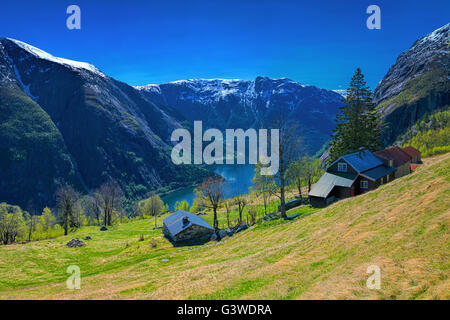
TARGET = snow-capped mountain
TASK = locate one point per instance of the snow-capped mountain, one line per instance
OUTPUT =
(418, 83)
(427, 53)
(63, 121)
(235, 103)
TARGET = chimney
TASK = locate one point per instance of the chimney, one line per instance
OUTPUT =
(361, 151)
(185, 221)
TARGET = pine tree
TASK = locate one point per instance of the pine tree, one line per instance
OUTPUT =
(359, 124)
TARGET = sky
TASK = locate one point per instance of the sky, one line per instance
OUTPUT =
(316, 42)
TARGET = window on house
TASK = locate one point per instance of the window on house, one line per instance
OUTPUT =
(342, 167)
(364, 184)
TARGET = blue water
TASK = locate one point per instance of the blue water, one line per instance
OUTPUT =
(238, 178)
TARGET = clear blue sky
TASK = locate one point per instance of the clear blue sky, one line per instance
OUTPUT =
(313, 42)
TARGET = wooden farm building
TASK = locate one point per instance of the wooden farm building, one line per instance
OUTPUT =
(362, 171)
(183, 227)
(396, 157)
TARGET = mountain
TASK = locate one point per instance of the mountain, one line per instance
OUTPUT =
(64, 121)
(416, 85)
(235, 103)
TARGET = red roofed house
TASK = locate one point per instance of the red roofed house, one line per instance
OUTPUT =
(396, 157)
(413, 153)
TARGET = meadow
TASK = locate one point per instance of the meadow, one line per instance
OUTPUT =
(402, 227)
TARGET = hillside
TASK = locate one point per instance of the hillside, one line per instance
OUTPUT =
(403, 227)
(416, 85)
(105, 130)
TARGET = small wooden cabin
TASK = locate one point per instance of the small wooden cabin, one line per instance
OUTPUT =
(183, 228)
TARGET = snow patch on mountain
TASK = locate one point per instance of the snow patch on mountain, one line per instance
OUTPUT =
(47, 56)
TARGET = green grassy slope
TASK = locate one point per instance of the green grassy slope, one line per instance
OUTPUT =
(403, 227)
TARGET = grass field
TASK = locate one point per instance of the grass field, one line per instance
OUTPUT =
(402, 227)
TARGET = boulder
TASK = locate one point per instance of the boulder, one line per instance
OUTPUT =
(75, 243)
(222, 233)
(103, 228)
(87, 238)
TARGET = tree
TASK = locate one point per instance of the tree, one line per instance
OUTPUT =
(359, 124)
(153, 206)
(66, 198)
(31, 219)
(228, 204)
(252, 213)
(210, 193)
(183, 205)
(264, 185)
(110, 196)
(92, 205)
(241, 202)
(304, 171)
(12, 223)
(288, 148)
(48, 220)
(296, 172)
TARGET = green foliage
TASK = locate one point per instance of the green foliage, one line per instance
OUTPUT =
(431, 135)
(304, 172)
(359, 123)
(182, 205)
(12, 223)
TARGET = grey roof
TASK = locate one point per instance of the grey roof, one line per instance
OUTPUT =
(361, 160)
(174, 222)
(378, 172)
(327, 182)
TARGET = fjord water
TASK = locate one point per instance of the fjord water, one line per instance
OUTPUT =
(238, 178)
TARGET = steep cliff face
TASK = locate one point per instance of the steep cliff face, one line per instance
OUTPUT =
(417, 84)
(105, 128)
(234, 103)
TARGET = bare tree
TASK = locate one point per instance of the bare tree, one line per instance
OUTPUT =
(241, 202)
(228, 204)
(110, 195)
(264, 185)
(93, 206)
(252, 213)
(210, 193)
(66, 198)
(288, 148)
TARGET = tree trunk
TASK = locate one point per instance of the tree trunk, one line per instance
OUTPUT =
(282, 182)
(216, 222)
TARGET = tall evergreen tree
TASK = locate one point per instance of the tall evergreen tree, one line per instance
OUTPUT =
(359, 124)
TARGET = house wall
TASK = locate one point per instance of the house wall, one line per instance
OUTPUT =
(317, 202)
(403, 170)
(359, 190)
(342, 192)
(193, 233)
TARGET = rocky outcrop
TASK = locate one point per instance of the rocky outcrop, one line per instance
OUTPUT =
(415, 85)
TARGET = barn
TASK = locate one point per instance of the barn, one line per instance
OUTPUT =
(185, 228)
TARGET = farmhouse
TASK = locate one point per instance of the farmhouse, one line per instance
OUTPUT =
(183, 227)
(350, 175)
(359, 172)
(396, 157)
